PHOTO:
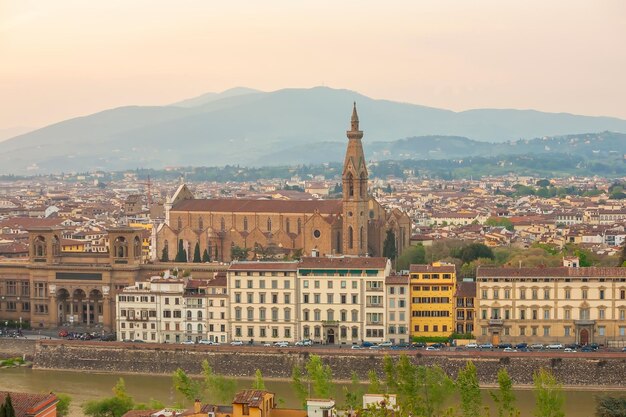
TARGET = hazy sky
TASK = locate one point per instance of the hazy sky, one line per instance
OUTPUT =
(65, 58)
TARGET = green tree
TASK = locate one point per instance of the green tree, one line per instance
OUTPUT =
(610, 406)
(181, 255)
(165, 257)
(239, 253)
(412, 255)
(186, 386)
(222, 388)
(196, 253)
(299, 385)
(63, 406)
(390, 250)
(474, 251)
(321, 377)
(258, 380)
(549, 397)
(116, 406)
(6, 409)
(500, 222)
(375, 385)
(469, 391)
(543, 183)
(354, 393)
(505, 397)
(205, 256)
(388, 189)
(150, 405)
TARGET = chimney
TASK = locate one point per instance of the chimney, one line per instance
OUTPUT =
(197, 405)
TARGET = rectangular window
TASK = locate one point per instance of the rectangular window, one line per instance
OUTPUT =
(329, 283)
(534, 294)
(522, 294)
(316, 284)
(522, 314)
(355, 299)
(602, 313)
(546, 294)
(496, 293)
(485, 295)
(601, 330)
(622, 331)
(262, 284)
(316, 298)
(237, 331)
(329, 298)
(601, 294)
(355, 285)
(287, 284)
(274, 284)
(249, 298)
(584, 294)
(568, 314)
(522, 331)
(249, 283)
(568, 294)
(305, 283)
(305, 298)
(546, 314)
(507, 294)
(567, 330)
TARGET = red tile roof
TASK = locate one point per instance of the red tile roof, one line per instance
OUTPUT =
(559, 271)
(447, 269)
(252, 397)
(343, 262)
(28, 404)
(260, 206)
(397, 280)
(263, 266)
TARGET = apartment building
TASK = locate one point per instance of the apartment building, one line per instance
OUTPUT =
(568, 304)
(464, 310)
(218, 308)
(151, 311)
(432, 292)
(263, 301)
(398, 308)
(342, 299)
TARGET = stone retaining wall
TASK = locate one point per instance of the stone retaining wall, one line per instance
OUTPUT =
(12, 348)
(571, 369)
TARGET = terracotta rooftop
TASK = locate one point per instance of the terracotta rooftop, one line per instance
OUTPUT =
(559, 271)
(260, 206)
(342, 262)
(465, 289)
(449, 269)
(397, 280)
(28, 404)
(263, 266)
(252, 397)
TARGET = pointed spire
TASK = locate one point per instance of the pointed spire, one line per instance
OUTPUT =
(354, 121)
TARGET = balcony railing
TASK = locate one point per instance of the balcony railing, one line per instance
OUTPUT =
(496, 322)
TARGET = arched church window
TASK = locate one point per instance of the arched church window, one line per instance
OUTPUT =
(200, 224)
(361, 238)
(287, 226)
(120, 247)
(350, 238)
(180, 223)
(222, 224)
(299, 226)
(245, 224)
(350, 180)
(269, 224)
(56, 246)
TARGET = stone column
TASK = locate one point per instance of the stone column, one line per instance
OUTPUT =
(88, 310)
(106, 313)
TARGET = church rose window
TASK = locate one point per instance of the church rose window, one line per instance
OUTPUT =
(317, 233)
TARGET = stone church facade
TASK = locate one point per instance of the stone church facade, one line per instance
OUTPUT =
(354, 225)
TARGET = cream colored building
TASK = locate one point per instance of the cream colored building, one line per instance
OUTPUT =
(151, 311)
(342, 299)
(218, 309)
(398, 310)
(262, 297)
(551, 304)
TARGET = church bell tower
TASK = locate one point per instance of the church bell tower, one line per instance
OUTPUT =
(355, 194)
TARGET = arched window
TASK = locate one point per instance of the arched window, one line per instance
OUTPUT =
(338, 243)
(120, 247)
(200, 224)
(39, 246)
(188, 314)
(245, 224)
(287, 226)
(361, 238)
(363, 186)
(222, 224)
(180, 223)
(137, 247)
(199, 314)
(199, 328)
(350, 238)
(56, 246)
(350, 181)
(299, 226)
(269, 224)
(189, 328)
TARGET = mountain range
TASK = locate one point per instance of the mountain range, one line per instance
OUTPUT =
(250, 127)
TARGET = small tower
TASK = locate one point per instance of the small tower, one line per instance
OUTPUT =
(45, 244)
(355, 193)
(125, 245)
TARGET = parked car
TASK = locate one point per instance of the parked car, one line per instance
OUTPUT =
(111, 337)
(569, 350)
(305, 342)
(374, 347)
(438, 345)
(505, 346)
(486, 346)
(138, 341)
(267, 344)
(367, 344)
(521, 346)
(206, 342)
(236, 343)
(187, 342)
(63, 333)
(587, 348)
(281, 344)
(356, 347)
(431, 348)
(472, 345)
(509, 349)
(385, 344)
(417, 345)
(624, 349)
(536, 346)
(554, 346)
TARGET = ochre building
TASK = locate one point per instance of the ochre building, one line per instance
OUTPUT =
(354, 225)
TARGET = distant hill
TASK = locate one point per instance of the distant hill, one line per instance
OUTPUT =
(249, 127)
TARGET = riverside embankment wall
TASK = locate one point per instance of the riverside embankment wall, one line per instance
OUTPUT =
(575, 369)
(12, 348)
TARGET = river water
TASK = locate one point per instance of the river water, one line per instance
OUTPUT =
(87, 386)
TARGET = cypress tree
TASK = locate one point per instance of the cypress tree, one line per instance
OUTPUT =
(389, 246)
(205, 256)
(181, 255)
(9, 411)
(165, 256)
(196, 253)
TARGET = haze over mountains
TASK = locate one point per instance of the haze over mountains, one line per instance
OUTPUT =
(248, 127)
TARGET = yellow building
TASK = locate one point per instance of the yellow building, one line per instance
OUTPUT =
(72, 245)
(432, 294)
